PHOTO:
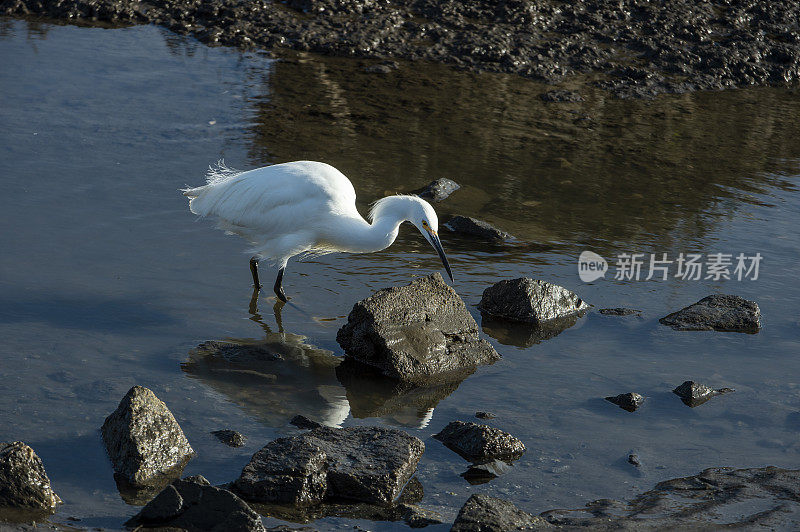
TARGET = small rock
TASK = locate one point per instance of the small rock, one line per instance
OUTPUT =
(718, 313)
(619, 311)
(480, 443)
(368, 464)
(382, 68)
(417, 517)
(230, 438)
(694, 394)
(143, 439)
(438, 189)
(486, 471)
(193, 504)
(627, 401)
(531, 301)
(302, 422)
(561, 95)
(420, 332)
(23, 481)
(633, 459)
(468, 226)
(484, 415)
(482, 513)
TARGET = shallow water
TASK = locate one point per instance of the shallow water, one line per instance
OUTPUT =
(108, 281)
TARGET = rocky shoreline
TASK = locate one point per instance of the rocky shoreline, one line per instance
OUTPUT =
(628, 47)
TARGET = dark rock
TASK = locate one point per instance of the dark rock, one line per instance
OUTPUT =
(561, 96)
(230, 437)
(23, 481)
(484, 415)
(694, 394)
(412, 493)
(482, 513)
(718, 313)
(369, 464)
(438, 189)
(480, 443)
(529, 300)
(627, 401)
(143, 439)
(382, 68)
(420, 332)
(486, 471)
(467, 226)
(193, 504)
(619, 311)
(302, 422)
(417, 517)
(633, 459)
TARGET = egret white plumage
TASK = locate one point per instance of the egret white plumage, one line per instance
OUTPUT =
(305, 208)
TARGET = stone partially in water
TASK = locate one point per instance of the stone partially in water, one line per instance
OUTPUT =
(480, 443)
(467, 226)
(193, 504)
(367, 464)
(143, 439)
(694, 394)
(627, 401)
(482, 513)
(229, 437)
(438, 189)
(619, 311)
(420, 332)
(531, 301)
(484, 472)
(302, 422)
(717, 313)
(23, 481)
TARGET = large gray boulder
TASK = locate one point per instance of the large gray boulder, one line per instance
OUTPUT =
(530, 301)
(482, 513)
(480, 443)
(23, 481)
(193, 504)
(143, 440)
(717, 313)
(419, 333)
(365, 464)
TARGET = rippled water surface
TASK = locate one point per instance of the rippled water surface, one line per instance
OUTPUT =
(106, 279)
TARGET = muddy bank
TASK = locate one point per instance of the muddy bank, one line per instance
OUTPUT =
(632, 48)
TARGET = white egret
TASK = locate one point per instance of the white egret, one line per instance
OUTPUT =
(305, 208)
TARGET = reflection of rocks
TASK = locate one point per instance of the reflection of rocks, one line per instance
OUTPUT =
(274, 379)
(231, 438)
(695, 394)
(521, 334)
(23, 481)
(482, 513)
(627, 401)
(419, 332)
(143, 440)
(193, 504)
(367, 464)
(530, 300)
(438, 189)
(481, 473)
(718, 313)
(472, 227)
(480, 443)
(302, 422)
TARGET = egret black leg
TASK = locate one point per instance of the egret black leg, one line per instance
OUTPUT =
(278, 288)
(254, 271)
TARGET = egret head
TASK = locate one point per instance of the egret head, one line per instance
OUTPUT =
(424, 217)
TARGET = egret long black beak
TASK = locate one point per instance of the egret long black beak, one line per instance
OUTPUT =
(437, 245)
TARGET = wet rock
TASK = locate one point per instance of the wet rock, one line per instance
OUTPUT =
(23, 481)
(633, 459)
(382, 68)
(193, 504)
(529, 300)
(619, 311)
(694, 394)
(472, 227)
(438, 189)
(480, 443)
(302, 422)
(484, 472)
(627, 401)
(143, 439)
(369, 464)
(412, 493)
(230, 438)
(417, 517)
(718, 313)
(482, 513)
(561, 96)
(420, 332)
(484, 415)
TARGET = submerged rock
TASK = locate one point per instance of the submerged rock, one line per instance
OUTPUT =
(230, 438)
(484, 415)
(694, 394)
(482, 513)
(718, 313)
(143, 439)
(467, 226)
(416, 517)
(23, 481)
(420, 332)
(480, 443)
(561, 95)
(619, 311)
(627, 401)
(193, 504)
(531, 301)
(438, 189)
(369, 464)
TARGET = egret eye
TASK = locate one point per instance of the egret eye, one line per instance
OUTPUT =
(424, 223)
